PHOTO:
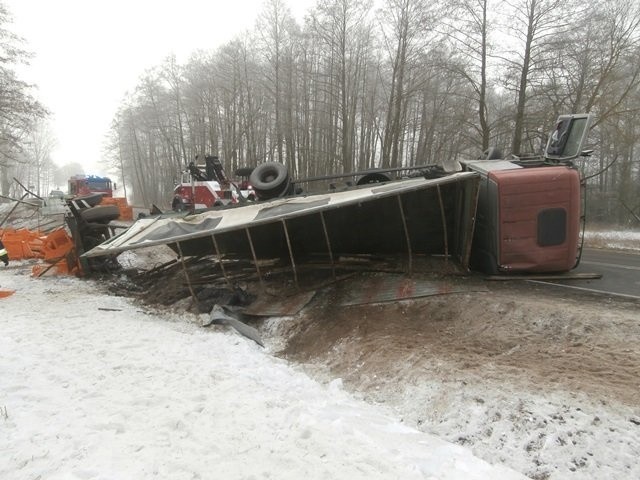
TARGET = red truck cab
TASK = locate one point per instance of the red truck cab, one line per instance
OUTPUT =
(529, 216)
(89, 184)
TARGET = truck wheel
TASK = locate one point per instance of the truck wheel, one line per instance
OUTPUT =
(270, 180)
(100, 213)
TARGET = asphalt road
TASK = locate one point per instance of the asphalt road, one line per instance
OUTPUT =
(620, 273)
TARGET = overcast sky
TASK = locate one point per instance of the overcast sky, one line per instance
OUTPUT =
(88, 53)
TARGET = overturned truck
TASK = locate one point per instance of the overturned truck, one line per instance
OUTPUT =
(494, 215)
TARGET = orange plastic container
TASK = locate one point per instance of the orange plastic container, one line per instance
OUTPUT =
(19, 243)
(56, 245)
(126, 212)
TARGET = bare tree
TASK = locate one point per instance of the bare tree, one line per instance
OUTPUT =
(18, 109)
(275, 31)
(469, 29)
(613, 64)
(343, 32)
(171, 72)
(534, 26)
(39, 144)
(337, 94)
(408, 25)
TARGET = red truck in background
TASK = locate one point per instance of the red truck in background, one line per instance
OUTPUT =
(90, 184)
(86, 185)
(206, 186)
(529, 216)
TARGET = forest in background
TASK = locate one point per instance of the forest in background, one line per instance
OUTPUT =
(358, 85)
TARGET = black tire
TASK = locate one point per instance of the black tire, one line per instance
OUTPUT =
(87, 201)
(244, 171)
(100, 213)
(433, 171)
(373, 177)
(270, 180)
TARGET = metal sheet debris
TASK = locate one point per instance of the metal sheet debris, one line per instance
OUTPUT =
(278, 306)
(390, 288)
(220, 316)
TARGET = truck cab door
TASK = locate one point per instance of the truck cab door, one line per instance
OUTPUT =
(569, 136)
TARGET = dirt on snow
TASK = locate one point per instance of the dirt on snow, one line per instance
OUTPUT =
(546, 381)
(524, 335)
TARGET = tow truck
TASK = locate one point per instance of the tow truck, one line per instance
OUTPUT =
(206, 185)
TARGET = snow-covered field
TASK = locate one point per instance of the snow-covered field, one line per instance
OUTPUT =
(93, 386)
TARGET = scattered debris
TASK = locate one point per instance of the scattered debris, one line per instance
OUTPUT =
(57, 231)
(221, 316)
(267, 305)
(6, 292)
(379, 288)
(547, 276)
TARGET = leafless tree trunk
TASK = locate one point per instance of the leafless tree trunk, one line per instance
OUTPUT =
(535, 24)
(410, 23)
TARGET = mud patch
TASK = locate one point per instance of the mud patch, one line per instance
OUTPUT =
(528, 337)
(535, 376)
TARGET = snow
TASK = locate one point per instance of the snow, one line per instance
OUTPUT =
(614, 239)
(93, 386)
(548, 388)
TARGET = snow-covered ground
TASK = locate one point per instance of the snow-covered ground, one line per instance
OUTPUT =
(540, 379)
(93, 386)
(615, 239)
